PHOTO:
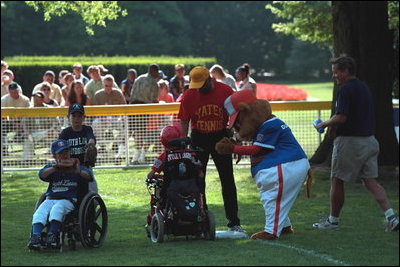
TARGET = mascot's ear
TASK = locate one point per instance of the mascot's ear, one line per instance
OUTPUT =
(243, 107)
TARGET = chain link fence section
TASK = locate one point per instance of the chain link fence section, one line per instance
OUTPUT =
(125, 131)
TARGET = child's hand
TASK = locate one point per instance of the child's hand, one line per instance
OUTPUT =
(67, 163)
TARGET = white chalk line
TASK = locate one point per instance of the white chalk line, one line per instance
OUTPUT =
(309, 252)
(274, 243)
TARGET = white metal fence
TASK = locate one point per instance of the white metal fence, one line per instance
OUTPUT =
(26, 133)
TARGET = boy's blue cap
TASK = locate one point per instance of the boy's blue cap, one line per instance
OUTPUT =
(76, 108)
(58, 146)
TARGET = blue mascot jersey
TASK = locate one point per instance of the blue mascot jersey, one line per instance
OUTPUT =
(279, 143)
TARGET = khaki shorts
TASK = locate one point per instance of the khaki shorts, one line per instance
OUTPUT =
(355, 157)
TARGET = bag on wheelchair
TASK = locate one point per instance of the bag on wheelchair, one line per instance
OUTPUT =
(183, 190)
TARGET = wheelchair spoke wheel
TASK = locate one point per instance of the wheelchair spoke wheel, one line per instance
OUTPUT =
(93, 220)
(157, 228)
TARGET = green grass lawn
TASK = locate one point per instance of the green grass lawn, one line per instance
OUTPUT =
(360, 241)
(316, 91)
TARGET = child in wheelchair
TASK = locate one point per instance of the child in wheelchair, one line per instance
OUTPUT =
(179, 186)
(61, 195)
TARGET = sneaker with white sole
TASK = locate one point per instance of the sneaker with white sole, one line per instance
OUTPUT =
(237, 228)
(392, 224)
(326, 225)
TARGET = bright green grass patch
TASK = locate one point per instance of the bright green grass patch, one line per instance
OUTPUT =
(317, 91)
(117, 60)
(360, 241)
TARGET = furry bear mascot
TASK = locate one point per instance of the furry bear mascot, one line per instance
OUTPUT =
(279, 165)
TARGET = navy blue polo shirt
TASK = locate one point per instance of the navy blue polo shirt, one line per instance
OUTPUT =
(355, 101)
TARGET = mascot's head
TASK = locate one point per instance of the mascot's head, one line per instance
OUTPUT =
(246, 113)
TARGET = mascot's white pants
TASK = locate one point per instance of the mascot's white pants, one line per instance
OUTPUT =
(54, 209)
(279, 187)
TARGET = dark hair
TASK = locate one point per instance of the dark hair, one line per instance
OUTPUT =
(72, 96)
(207, 86)
(245, 68)
(345, 62)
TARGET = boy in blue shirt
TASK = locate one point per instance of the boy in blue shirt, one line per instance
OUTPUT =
(63, 178)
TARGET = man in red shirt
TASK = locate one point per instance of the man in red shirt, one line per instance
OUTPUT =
(202, 107)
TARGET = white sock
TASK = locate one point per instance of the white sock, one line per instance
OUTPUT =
(333, 219)
(388, 213)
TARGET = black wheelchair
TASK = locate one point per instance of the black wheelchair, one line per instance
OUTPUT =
(166, 217)
(87, 223)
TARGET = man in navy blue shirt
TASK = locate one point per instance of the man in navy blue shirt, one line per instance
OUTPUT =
(355, 149)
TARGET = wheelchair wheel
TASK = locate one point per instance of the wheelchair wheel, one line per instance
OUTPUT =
(209, 232)
(93, 220)
(157, 228)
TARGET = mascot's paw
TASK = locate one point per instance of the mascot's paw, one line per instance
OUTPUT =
(225, 146)
(263, 236)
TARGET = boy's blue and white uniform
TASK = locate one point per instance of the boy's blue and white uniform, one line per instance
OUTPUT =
(279, 171)
(78, 140)
(62, 190)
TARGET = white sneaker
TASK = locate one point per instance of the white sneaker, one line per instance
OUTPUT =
(392, 224)
(237, 228)
(238, 232)
(326, 225)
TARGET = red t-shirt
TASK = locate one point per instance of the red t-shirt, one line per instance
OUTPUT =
(205, 112)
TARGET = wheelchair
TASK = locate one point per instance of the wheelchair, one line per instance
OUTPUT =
(164, 218)
(87, 223)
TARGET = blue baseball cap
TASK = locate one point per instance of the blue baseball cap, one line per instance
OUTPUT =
(58, 146)
(76, 108)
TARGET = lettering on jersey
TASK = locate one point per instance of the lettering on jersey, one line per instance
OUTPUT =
(77, 145)
(209, 118)
(63, 185)
(175, 156)
(284, 126)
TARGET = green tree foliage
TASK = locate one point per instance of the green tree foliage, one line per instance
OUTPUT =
(234, 32)
(92, 12)
(306, 20)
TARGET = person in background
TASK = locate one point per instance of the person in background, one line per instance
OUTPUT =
(7, 78)
(245, 81)
(55, 93)
(163, 93)
(78, 94)
(46, 89)
(177, 83)
(145, 91)
(66, 89)
(77, 70)
(355, 148)
(220, 75)
(61, 75)
(14, 98)
(127, 84)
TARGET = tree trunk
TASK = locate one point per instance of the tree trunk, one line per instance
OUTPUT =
(360, 30)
